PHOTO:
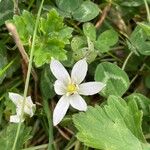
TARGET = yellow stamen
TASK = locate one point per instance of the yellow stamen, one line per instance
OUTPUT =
(71, 88)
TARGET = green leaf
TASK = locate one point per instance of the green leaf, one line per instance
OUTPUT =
(7, 136)
(116, 126)
(106, 40)
(51, 39)
(142, 101)
(25, 26)
(46, 83)
(78, 42)
(132, 3)
(89, 31)
(145, 26)
(53, 22)
(68, 5)
(117, 81)
(139, 41)
(6, 10)
(86, 12)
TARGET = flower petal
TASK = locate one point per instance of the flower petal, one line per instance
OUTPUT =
(16, 98)
(29, 101)
(59, 87)
(79, 71)
(15, 119)
(90, 88)
(59, 71)
(60, 109)
(77, 102)
(29, 107)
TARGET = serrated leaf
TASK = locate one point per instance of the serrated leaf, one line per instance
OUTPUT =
(25, 26)
(6, 10)
(116, 126)
(51, 38)
(68, 5)
(53, 22)
(46, 83)
(106, 40)
(86, 12)
(89, 31)
(142, 101)
(117, 81)
(7, 136)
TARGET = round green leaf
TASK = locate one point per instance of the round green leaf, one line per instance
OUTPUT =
(117, 81)
(140, 41)
(105, 40)
(68, 5)
(86, 12)
(89, 31)
(78, 42)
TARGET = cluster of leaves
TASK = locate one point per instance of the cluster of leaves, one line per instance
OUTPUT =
(118, 52)
(52, 35)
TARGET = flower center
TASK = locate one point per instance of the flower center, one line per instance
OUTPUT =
(71, 88)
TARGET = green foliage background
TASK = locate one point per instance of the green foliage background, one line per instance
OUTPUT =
(114, 37)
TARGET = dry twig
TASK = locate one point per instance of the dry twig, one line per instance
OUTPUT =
(103, 15)
(12, 29)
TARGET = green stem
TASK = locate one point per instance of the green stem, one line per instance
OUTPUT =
(28, 74)
(7, 67)
(126, 61)
(134, 78)
(49, 117)
(147, 10)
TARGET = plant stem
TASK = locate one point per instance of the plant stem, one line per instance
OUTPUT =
(28, 74)
(126, 61)
(134, 78)
(147, 10)
(7, 67)
(49, 118)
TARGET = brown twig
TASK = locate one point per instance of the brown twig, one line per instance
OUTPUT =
(103, 15)
(12, 29)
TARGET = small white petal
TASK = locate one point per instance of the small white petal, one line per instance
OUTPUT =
(16, 98)
(16, 119)
(59, 87)
(29, 106)
(59, 71)
(60, 109)
(77, 102)
(18, 111)
(79, 71)
(29, 101)
(90, 88)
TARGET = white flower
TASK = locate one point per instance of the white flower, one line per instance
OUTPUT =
(29, 107)
(70, 87)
